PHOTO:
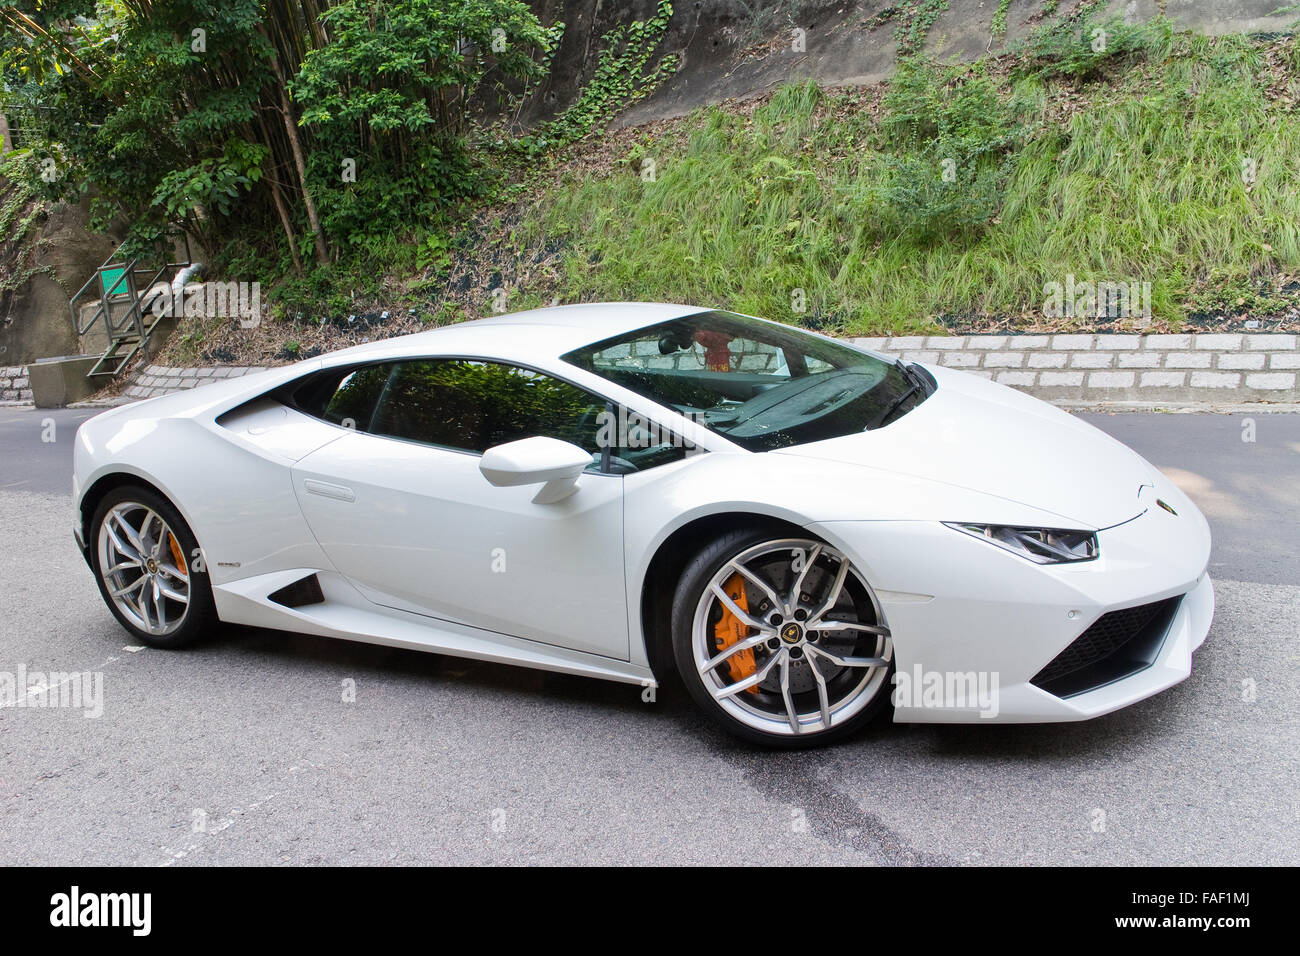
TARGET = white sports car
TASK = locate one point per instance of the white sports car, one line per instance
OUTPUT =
(804, 531)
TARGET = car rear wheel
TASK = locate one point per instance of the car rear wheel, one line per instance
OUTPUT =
(149, 570)
(781, 640)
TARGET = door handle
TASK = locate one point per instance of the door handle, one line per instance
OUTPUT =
(326, 490)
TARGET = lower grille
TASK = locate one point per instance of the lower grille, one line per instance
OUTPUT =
(1117, 645)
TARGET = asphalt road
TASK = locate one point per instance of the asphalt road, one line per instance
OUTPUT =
(244, 751)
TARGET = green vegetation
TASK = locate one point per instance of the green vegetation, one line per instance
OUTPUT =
(1150, 157)
(353, 152)
(21, 208)
(999, 26)
(918, 18)
(626, 71)
(316, 144)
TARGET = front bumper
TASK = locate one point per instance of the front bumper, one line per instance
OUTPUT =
(960, 609)
(1023, 702)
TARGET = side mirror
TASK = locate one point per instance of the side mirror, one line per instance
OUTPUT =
(537, 459)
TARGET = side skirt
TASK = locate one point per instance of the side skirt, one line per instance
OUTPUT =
(247, 602)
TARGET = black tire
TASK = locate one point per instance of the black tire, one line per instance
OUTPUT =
(199, 618)
(702, 569)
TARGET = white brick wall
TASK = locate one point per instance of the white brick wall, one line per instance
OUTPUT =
(14, 384)
(1113, 367)
(1067, 367)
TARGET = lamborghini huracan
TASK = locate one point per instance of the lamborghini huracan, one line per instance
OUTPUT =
(803, 531)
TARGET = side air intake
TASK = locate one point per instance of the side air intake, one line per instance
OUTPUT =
(302, 592)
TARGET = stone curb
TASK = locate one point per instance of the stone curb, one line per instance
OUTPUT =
(162, 380)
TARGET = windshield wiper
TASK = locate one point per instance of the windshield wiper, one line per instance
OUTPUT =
(909, 373)
(893, 407)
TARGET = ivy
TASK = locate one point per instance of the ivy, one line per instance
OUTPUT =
(1000, 18)
(21, 207)
(920, 17)
(626, 72)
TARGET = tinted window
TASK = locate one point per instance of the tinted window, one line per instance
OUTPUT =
(472, 406)
(344, 397)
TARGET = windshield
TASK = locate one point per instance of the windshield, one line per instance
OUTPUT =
(760, 384)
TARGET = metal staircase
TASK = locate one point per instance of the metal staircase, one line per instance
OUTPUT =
(126, 291)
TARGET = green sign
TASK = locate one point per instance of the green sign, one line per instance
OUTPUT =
(114, 281)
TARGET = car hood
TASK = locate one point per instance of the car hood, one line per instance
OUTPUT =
(973, 434)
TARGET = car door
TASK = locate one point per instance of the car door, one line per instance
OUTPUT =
(399, 505)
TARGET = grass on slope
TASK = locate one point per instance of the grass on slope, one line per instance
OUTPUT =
(1164, 158)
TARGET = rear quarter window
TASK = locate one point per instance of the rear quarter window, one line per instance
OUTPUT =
(344, 397)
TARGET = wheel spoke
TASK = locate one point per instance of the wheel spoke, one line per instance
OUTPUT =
(149, 519)
(848, 661)
(834, 627)
(749, 642)
(758, 677)
(837, 586)
(158, 605)
(124, 591)
(131, 534)
(809, 560)
(759, 583)
(174, 573)
(122, 566)
(744, 617)
(170, 592)
(822, 697)
(785, 694)
(120, 546)
(142, 607)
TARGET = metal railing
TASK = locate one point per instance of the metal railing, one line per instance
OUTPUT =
(126, 292)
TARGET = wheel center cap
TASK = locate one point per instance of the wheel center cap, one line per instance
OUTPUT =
(151, 566)
(792, 633)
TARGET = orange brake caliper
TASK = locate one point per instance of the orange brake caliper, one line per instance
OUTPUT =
(176, 554)
(731, 630)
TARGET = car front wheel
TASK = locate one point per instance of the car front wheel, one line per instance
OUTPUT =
(781, 640)
(149, 569)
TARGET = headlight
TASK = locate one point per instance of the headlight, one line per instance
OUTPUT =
(1040, 545)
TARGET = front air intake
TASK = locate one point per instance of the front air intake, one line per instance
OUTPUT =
(1117, 645)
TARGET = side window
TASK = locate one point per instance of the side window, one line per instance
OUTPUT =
(472, 406)
(343, 397)
(436, 402)
(636, 443)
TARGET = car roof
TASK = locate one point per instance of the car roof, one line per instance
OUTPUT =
(535, 333)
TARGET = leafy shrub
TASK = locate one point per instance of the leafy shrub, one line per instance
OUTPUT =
(1083, 48)
(948, 141)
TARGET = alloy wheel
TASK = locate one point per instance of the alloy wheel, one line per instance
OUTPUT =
(143, 567)
(788, 638)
